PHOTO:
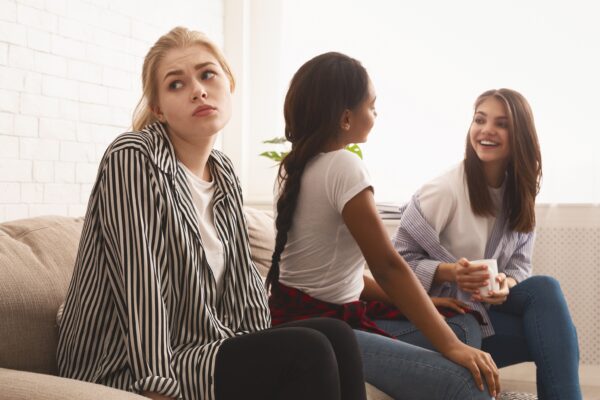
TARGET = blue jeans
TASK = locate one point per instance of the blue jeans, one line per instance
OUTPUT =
(406, 371)
(534, 324)
(465, 327)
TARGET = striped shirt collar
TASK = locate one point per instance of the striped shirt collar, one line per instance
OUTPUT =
(164, 157)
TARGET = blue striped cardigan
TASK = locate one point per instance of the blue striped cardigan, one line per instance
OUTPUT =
(142, 311)
(419, 244)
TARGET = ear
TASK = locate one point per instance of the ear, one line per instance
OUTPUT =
(345, 120)
(158, 113)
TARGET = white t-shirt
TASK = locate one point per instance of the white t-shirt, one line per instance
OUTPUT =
(202, 197)
(446, 206)
(321, 258)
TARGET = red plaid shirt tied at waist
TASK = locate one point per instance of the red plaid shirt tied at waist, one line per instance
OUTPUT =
(290, 304)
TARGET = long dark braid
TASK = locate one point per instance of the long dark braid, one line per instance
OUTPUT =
(320, 91)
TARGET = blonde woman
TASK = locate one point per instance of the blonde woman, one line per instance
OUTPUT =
(165, 300)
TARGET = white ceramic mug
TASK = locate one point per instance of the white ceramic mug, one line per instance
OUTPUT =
(492, 271)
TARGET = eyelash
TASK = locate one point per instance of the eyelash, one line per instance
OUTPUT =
(480, 121)
(204, 75)
(172, 85)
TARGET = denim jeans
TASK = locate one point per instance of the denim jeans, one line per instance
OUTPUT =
(406, 371)
(534, 324)
(464, 326)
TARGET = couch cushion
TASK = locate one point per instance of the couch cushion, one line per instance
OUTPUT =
(36, 262)
(19, 385)
(261, 230)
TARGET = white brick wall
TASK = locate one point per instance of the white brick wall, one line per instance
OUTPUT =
(69, 81)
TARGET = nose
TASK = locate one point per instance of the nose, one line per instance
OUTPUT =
(198, 91)
(488, 128)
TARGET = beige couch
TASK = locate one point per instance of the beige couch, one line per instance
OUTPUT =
(36, 261)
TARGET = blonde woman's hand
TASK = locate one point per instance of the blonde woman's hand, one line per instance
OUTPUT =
(479, 363)
(449, 302)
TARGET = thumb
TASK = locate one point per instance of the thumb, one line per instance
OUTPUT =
(463, 262)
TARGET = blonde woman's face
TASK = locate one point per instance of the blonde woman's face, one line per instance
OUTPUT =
(194, 97)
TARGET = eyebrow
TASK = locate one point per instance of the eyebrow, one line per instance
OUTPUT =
(177, 72)
(485, 115)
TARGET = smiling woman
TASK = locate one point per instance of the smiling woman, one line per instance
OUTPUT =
(484, 209)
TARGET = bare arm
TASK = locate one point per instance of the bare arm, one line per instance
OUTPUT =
(398, 281)
(372, 291)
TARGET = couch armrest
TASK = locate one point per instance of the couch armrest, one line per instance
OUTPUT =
(21, 385)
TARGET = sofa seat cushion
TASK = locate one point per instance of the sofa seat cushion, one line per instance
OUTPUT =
(37, 256)
(261, 231)
(20, 385)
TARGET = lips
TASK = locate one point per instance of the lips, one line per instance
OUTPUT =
(203, 110)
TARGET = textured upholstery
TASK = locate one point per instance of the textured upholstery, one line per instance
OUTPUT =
(20, 385)
(36, 262)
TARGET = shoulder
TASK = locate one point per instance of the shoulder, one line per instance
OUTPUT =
(150, 144)
(130, 141)
(342, 162)
(444, 187)
(346, 157)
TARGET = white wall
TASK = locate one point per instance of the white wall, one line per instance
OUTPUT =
(69, 80)
(429, 60)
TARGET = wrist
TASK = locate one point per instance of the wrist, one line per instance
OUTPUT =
(449, 346)
(446, 272)
(511, 282)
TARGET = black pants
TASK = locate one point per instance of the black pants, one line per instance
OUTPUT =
(311, 359)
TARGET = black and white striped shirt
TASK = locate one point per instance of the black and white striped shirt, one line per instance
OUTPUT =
(142, 311)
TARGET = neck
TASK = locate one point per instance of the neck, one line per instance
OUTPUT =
(494, 174)
(194, 155)
(333, 145)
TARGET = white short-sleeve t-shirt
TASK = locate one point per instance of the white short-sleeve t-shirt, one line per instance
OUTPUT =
(321, 258)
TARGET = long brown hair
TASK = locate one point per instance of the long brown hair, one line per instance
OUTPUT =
(177, 38)
(524, 170)
(319, 93)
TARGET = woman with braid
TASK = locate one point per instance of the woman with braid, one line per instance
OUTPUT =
(327, 225)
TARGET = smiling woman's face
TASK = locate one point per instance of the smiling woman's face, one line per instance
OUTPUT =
(194, 95)
(489, 133)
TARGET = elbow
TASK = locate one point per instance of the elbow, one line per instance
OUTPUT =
(386, 268)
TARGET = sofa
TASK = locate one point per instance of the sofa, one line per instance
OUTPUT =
(36, 261)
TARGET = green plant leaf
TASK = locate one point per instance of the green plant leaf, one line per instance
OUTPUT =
(353, 148)
(276, 156)
(276, 140)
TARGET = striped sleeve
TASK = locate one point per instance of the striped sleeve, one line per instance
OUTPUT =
(519, 266)
(129, 207)
(418, 243)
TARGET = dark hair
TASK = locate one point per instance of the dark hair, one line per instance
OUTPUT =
(524, 171)
(319, 93)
